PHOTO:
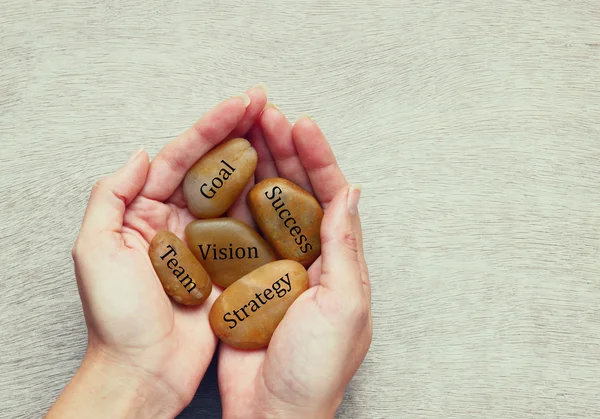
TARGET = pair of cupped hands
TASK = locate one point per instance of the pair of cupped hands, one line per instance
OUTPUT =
(146, 354)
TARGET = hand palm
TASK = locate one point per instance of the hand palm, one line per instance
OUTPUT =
(172, 323)
(150, 324)
(251, 378)
(129, 316)
(278, 375)
(127, 311)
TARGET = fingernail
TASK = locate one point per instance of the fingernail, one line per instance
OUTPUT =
(271, 105)
(263, 87)
(245, 98)
(353, 197)
(304, 115)
(135, 154)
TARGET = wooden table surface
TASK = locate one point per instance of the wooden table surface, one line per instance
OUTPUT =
(474, 127)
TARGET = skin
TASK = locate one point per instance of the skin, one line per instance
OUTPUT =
(138, 361)
(326, 333)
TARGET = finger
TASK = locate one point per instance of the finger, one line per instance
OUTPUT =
(147, 218)
(177, 198)
(237, 370)
(258, 100)
(357, 228)
(314, 273)
(112, 194)
(278, 135)
(240, 209)
(169, 167)
(340, 259)
(318, 160)
(265, 167)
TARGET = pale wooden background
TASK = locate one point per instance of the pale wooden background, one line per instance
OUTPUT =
(473, 125)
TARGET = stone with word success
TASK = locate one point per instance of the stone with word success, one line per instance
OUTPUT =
(212, 185)
(182, 276)
(227, 248)
(289, 217)
(247, 313)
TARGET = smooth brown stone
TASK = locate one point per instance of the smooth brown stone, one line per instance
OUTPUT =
(244, 317)
(289, 217)
(227, 248)
(182, 276)
(212, 185)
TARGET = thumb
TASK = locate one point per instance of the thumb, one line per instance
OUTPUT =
(340, 259)
(112, 194)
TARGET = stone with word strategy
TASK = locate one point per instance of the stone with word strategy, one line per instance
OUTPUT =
(212, 185)
(182, 276)
(227, 248)
(247, 313)
(289, 217)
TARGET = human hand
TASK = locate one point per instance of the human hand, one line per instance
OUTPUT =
(326, 333)
(146, 354)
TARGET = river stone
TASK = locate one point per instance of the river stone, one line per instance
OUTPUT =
(246, 314)
(227, 248)
(289, 217)
(212, 185)
(182, 276)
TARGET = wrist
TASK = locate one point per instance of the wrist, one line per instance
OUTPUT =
(298, 413)
(288, 411)
(106, 387)
(276, 410)
(142, 392)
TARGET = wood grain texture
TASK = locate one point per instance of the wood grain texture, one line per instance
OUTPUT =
(473, 125)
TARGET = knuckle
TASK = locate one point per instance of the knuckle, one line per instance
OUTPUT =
(366, 281)
(368, 338)
(352, 308)
(99, 185)
(76, 249)
(175, 162)
(348, 310)
(358, 312)
(349, 240)
(206, 132)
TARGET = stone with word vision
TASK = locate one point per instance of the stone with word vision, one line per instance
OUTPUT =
(182, 276)
(227, 248)
(289, 217)
(214, 182)
(247, 313)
